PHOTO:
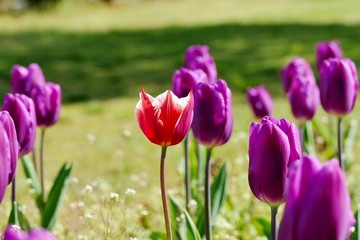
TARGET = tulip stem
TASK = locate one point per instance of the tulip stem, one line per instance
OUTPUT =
(208, 230)
(13, 189)
(187, 172)
(163, 193)
(42, 167)
(34, 159)
(274, 211)
(339, 135)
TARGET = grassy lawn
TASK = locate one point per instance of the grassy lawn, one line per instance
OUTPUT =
(102, 56)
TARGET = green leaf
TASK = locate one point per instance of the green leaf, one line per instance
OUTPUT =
(23, 221)
(158, 236)
(356, 233)
(14, 216)
(175, 216)
(325, 133)
(263, 227)
(349, 142)
(218, 196)
(31, 174)
(52, 206)
(191, 230)
(309, 145)
(18, 218)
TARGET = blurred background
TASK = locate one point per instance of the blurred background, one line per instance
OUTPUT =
(102, 52)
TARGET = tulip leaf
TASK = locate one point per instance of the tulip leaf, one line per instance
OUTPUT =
(263, 226)
(176, 222)
(18, 218)
(356, 233)
(158, 236)
(218, 195)
(31, 175)
(52, 206)
(309, 145)
(192, 231)
(349, 142)
(326, 135)
(14, 215)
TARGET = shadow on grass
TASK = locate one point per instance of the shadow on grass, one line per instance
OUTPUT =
(117, 63)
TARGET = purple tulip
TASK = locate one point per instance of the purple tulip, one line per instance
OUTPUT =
(273, 146)
(304, 99)
(260, 101)
(213, 117)
(198, 57)
(14, 147)
(24, 79)
(326, 50)
(14, 232)
(5, 163)
(185, 79)
(338, 86)
(21, 109)
(195, 51)
(298, 68)
(318, 204)
(47, 100)
(207, 64)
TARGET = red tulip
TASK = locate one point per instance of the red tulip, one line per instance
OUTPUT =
(166, 119)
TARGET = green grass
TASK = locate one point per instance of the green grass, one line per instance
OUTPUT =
(102, 56)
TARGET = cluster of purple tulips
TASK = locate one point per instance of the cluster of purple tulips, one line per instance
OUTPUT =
(317, 200)
(33, 103)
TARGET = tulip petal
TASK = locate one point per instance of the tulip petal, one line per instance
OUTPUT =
(269, 153)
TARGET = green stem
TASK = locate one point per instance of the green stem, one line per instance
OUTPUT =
(42, 178)
(208, 230)
(13, 190)
(34, 159)
(164, 195)
(274, 211)
(339, 136)
(187, 171)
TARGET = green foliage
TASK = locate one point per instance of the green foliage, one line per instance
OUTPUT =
(31, 174)
(54, 200)
(356, 233)
(263, 226)
(349, 140)
(218, 195)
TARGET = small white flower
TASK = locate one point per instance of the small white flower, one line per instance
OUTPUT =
(114, 197)
(130, 192)
(82, 237)
(91, 138)
(87, 189)
(127, 133)
(88, 215)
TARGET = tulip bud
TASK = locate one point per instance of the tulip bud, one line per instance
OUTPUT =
(260, 101)
(195, 51)
(273, 146)
(47, 100)
(14, 147)
(14, 232)
(198, 57)
(304, 99)
(338, 86)
(21, 109)
(5, 161)
(318, 204)
(24, 79)
(166, 119)
(297, 68)
(213, 116)
(326, 50)
(184, 80)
